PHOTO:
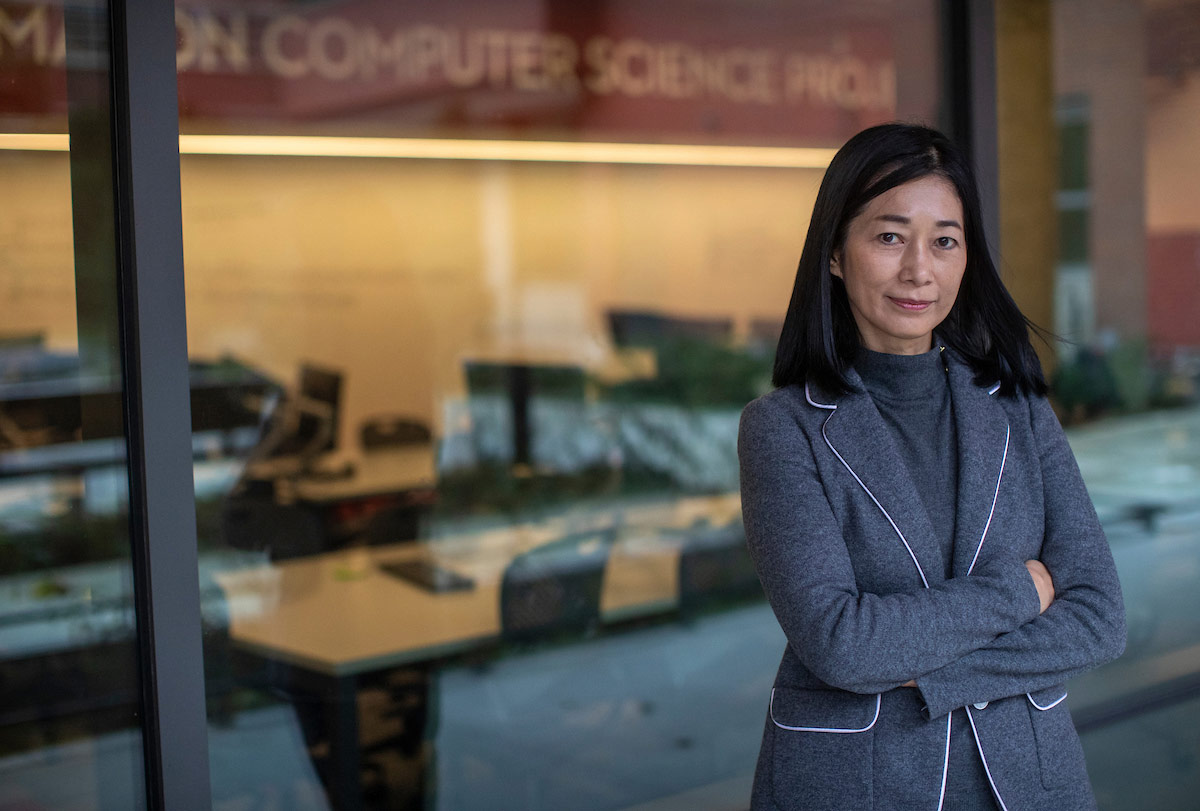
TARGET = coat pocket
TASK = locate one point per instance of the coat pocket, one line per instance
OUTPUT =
(822, 748)
(1060, 754)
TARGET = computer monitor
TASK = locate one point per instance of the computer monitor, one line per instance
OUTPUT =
(320, 386)
(310, 417)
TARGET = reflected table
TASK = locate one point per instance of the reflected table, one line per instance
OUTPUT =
(337, 617)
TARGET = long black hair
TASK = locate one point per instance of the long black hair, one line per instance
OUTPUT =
(820, 339)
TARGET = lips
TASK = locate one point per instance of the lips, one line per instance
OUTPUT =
(915, 305)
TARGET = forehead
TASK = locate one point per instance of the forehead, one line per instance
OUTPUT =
(933, 196)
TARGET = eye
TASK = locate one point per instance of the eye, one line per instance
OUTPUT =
(889, 238)
(946, 242)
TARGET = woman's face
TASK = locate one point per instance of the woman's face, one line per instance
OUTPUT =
(902, 262)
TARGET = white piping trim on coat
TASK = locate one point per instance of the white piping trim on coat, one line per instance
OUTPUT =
(1049, 706)
(995, 496)
(903, 540)
(979, 746)
(845, 464)
(994, 389)
(878, 703)
(946, 762)
(813, 402)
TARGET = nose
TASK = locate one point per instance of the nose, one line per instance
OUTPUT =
(917, 264)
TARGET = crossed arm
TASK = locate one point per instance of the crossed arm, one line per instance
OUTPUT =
(1000, 632)
(1083, 626)
(1045, 589)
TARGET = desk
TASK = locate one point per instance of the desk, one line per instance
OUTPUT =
(309, 611)
(382, 494)
(380, 472)
(337, 616)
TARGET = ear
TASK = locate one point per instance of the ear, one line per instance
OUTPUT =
(835, 267)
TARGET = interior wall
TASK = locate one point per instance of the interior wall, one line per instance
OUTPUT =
(37, 260)
(397, 272)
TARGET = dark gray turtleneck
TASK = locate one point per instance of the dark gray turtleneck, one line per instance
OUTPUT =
(912, 393)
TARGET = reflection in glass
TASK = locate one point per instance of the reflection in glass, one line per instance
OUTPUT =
(485, 470)
(70, 731)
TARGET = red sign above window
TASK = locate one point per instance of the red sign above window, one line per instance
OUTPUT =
(728, 72)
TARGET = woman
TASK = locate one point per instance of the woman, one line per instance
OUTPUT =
(915, 514)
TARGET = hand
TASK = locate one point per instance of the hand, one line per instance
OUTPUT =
(909, 683)
(1043, 581)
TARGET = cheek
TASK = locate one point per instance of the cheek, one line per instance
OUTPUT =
(952, 283)
(862, 283)
(861, 293)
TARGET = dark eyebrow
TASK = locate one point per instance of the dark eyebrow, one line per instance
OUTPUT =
(906, 221)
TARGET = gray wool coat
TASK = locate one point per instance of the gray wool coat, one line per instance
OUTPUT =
(855, 575)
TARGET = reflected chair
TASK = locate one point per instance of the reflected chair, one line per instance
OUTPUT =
(554, 590)
(715, 570)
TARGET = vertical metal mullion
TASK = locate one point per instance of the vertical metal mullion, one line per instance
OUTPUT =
(158, 410)
(969, 52)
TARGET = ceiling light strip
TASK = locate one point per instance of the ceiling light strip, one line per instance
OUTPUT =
(542, 151)
(35, 142)
(466, 149)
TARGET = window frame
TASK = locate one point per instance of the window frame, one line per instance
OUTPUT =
(153, 345)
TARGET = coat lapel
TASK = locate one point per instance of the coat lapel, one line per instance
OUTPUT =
(983, 436)
(858, 435)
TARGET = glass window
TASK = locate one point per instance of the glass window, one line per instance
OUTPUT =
(1127, 78)
(70, 725)
(482, 288)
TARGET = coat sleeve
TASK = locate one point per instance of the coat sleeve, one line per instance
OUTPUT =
(1085, 625)
(850, 639)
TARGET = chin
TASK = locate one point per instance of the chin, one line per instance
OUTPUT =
(910, 334)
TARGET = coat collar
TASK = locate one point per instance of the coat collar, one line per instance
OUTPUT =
(858, 435)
